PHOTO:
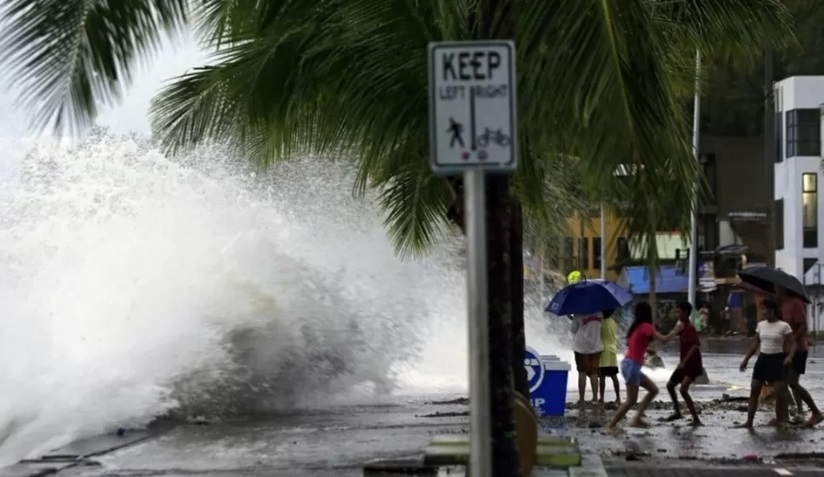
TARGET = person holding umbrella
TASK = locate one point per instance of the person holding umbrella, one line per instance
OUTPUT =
(794, 313)
(585, 301)
(792, 297)
(587, 346)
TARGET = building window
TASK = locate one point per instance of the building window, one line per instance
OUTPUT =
(708, 165)
(808, 264)
(596, 253)
(779, 224)
(803, 132)
(779, 136)
(569, 253)
(583, 253)
(809, 209)
(708, 233)
(623, 254)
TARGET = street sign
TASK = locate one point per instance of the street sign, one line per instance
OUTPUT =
(472, 116)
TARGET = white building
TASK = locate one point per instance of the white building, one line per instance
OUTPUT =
(799, 103)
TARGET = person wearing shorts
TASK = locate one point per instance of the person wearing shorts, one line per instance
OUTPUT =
(794, 313)
(772, 337)
(640, 335)
(690, 367)
(587, 345)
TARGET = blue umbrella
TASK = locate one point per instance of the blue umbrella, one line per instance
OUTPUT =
(588, 296)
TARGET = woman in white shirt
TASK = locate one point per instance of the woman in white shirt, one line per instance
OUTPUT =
(772, 337)
(587, 345)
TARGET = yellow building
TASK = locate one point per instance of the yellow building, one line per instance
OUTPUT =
(581, 247)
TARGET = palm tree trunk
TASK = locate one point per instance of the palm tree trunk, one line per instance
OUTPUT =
(501, 263)
(503, 288)
(518, 344)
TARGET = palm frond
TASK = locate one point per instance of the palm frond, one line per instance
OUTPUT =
(612, 81)
(193, 107)
(598, 81)
(69, 56)
(415, 202)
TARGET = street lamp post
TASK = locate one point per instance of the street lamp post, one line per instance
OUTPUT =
(696, 132)
(603, 250)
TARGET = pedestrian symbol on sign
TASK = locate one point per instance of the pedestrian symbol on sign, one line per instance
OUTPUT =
(456, 129)
(534, 369)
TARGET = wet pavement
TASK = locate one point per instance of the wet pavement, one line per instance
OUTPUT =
(339, 441)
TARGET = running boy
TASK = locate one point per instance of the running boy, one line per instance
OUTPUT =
(609, 357)
(690, 367)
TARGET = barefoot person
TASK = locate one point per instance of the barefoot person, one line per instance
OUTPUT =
(771, 337)
(586, 343)
(639, 336)
(690, 367)
(794, 313)
(609, 358)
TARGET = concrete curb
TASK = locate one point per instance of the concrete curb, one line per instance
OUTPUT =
(591, 466)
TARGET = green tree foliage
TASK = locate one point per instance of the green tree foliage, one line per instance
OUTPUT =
(734, 103)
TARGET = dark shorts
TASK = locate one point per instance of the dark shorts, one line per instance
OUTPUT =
(587, 363)
(692, 372)
(769, 368)
(799, 364)
(608, 371)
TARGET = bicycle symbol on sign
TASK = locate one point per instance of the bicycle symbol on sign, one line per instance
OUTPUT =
(496, 137)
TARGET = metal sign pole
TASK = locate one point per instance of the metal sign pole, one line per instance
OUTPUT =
(479, 393)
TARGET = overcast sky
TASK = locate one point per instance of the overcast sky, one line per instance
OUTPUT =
(130, 114)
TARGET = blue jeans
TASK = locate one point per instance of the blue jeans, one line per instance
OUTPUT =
(631, 371)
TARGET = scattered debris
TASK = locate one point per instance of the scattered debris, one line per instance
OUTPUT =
(451, 402)
(197, 420)
(445, 414)
(799, 456)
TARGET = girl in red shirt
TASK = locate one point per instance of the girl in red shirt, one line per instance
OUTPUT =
(639, 337)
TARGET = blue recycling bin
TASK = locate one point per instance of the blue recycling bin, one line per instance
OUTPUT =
(547, 379)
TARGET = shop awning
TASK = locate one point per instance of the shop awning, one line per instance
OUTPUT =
(667, 280)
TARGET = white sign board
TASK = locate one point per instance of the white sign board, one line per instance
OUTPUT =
(472, 106)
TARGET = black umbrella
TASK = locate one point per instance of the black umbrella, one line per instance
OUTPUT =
(766, 278)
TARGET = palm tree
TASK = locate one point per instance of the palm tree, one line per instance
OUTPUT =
(598, 81)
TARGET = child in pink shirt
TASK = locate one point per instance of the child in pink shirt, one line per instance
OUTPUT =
(639, 337)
